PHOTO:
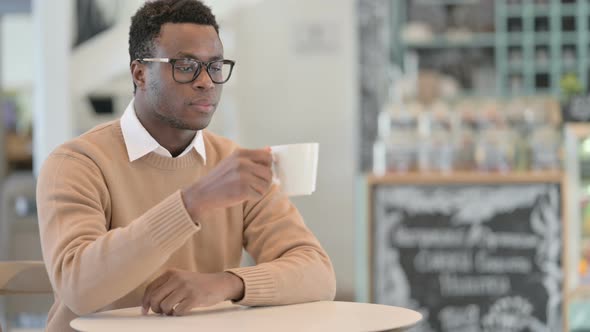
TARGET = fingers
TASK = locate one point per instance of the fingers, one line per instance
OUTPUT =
(161, 293)
(167, 305)
(260, 156)
(256, 187)
(183, 308)
(264, 173)
(184, 290)
(257, 175)
(145, 306)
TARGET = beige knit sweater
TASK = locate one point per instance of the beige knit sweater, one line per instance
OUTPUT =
(109, 227)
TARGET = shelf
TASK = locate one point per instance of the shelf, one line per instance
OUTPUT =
(569, 38)
(468, 177)
(447, 2)
(516, 68)
(542, 10)
(514, 10)
(523, 18)
(443, 41)
(542, 37)
(569, 67)
(569, 9)
(470, 93)
(515, 38)
(542, 69)
(580, 292)
(543, 91)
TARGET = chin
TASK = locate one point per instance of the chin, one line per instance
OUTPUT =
(198, 125)
(193, 122)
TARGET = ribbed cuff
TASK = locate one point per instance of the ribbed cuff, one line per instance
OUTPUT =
(169, 224)
(259, 286)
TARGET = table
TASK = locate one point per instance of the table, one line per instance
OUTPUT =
(308, 317)
(24, 277)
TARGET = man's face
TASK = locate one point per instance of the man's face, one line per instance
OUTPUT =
(184, 105)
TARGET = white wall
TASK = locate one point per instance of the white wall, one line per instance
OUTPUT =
(52, 106)
(16, 40)
(290, 86)
(287, 96)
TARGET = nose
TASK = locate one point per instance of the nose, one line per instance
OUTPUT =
(203, 81)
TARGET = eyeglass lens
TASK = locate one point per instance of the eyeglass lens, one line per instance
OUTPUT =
(186, 70)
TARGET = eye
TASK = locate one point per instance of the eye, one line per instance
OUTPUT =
(185, 66)
(216, 66)
(185, 69)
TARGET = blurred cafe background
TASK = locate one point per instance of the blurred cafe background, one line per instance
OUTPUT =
(437, 120)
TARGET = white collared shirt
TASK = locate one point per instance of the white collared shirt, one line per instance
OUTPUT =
(139, 142)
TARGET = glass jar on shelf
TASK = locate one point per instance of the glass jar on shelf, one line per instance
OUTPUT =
(436, 147)
(401, 146)
(464, 132)
(545, 144)
(395, 149)
(495, 148)
(443, 149)
(516, 118)
(542, 134)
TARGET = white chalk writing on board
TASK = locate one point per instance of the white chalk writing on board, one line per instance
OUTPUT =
(454, 285)
(483, 237)
(443, 261)
(512, 314)
(470, 205)
(546, 223)
(464, 318)
(488, 263)
(461, 261)
(475, 236)
(470, 246)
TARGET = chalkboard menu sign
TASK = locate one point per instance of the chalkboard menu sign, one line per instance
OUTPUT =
(476, 257)
(577, 109)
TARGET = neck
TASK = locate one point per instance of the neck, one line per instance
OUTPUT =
(173, 139)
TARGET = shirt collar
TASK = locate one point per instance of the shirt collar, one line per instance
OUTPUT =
(139, 142)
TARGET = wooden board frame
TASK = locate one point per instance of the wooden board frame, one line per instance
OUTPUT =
(466, 178)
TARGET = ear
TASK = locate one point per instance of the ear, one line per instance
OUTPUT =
(138, 74)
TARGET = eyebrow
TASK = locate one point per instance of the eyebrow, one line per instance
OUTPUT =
(193, 56)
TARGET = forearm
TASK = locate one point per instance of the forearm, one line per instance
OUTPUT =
(292, 265)
(90, 269)
(303, 275)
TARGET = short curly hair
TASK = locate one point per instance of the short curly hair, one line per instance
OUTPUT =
(148, 20)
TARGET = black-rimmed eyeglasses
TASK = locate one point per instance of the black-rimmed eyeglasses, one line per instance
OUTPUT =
(187, 70)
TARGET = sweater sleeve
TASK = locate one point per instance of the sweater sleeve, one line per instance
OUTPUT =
(89, 265)
(292, 267)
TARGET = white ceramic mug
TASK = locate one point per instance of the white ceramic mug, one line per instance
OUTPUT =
(295, 167)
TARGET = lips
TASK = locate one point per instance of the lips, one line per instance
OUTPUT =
(203, 105)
